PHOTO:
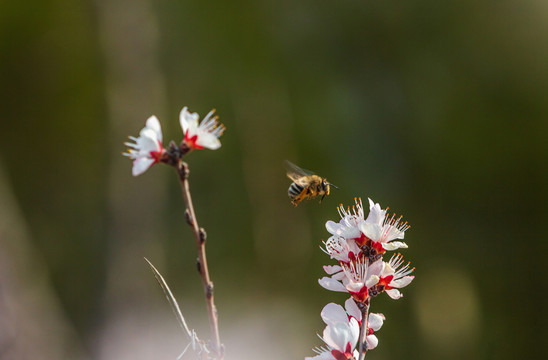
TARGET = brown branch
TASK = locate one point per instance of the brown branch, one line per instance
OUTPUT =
(200, 235)
(362, 343)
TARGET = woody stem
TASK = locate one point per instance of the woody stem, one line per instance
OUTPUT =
(362, 343)
(200, 236)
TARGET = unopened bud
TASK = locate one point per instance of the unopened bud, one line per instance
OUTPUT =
(203, 235)
(188, 217)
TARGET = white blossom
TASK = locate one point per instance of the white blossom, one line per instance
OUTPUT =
(147, 148)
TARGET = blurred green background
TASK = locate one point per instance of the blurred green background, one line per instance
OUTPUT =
(435, 109)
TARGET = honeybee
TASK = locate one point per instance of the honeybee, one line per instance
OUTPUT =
(305, 185)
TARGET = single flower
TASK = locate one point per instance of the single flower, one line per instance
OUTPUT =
(341, 249)
(355, 278)
(374, 322)
(201, 135)
(393, 277)
(382, 230)
(340, 335)
(147, 149)
(348, 226)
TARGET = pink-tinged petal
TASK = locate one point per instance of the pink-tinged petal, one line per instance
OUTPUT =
(373, 280)
(376, 268)
(375, 321)
(372, 231)
(339, 276)
(330, 284)
(394, 293)
(332, 269)
(372, 342)
(208, 141)
(394, 245)
(352, 309)
(140, 165)
(399, 283)
(153, 124)
(333, 313)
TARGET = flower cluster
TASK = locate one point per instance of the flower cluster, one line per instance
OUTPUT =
(358, 245)
(147, 149)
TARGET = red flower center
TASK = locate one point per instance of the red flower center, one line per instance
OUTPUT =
(156, 155)
(385, 281)
(361, 295)
(343, 356)
(192, 141)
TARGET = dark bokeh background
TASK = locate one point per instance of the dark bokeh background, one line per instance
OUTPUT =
(435, 109)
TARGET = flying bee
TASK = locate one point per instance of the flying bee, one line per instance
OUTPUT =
(305, 185)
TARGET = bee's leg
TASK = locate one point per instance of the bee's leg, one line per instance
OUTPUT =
(297, 199)
(322, 198)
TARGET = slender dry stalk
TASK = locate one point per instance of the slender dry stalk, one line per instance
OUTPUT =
(200, 236)
(363, 331)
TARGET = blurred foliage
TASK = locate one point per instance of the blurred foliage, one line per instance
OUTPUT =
(436, 109)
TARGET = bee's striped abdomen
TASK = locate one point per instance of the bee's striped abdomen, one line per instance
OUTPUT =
(294, 190)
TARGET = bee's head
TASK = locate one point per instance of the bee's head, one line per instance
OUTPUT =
(325, 186)
(328, 186)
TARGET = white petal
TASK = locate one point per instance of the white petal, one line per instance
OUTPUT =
(399, 283)
(354, 331)
(375, 321)
(188, 120)
(387, 270)
(394, 293)
(141, 165)
(354, 287)
(148, 141)
(350, 232)
(352, 309)
(326, 355)
(372, 342)
(333, 227)
(208, 141)
(372, 231)
(394, 245)
(339, 276)
(333, 313)
(330, 284)
(373, 280)
(332, 269)
(154, 124)
(337, 335)
(376, 214)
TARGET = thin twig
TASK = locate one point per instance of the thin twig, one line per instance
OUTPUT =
(362, 343)
(200, 236)
(171, 299)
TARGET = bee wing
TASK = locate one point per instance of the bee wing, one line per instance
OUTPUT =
(294, 172)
